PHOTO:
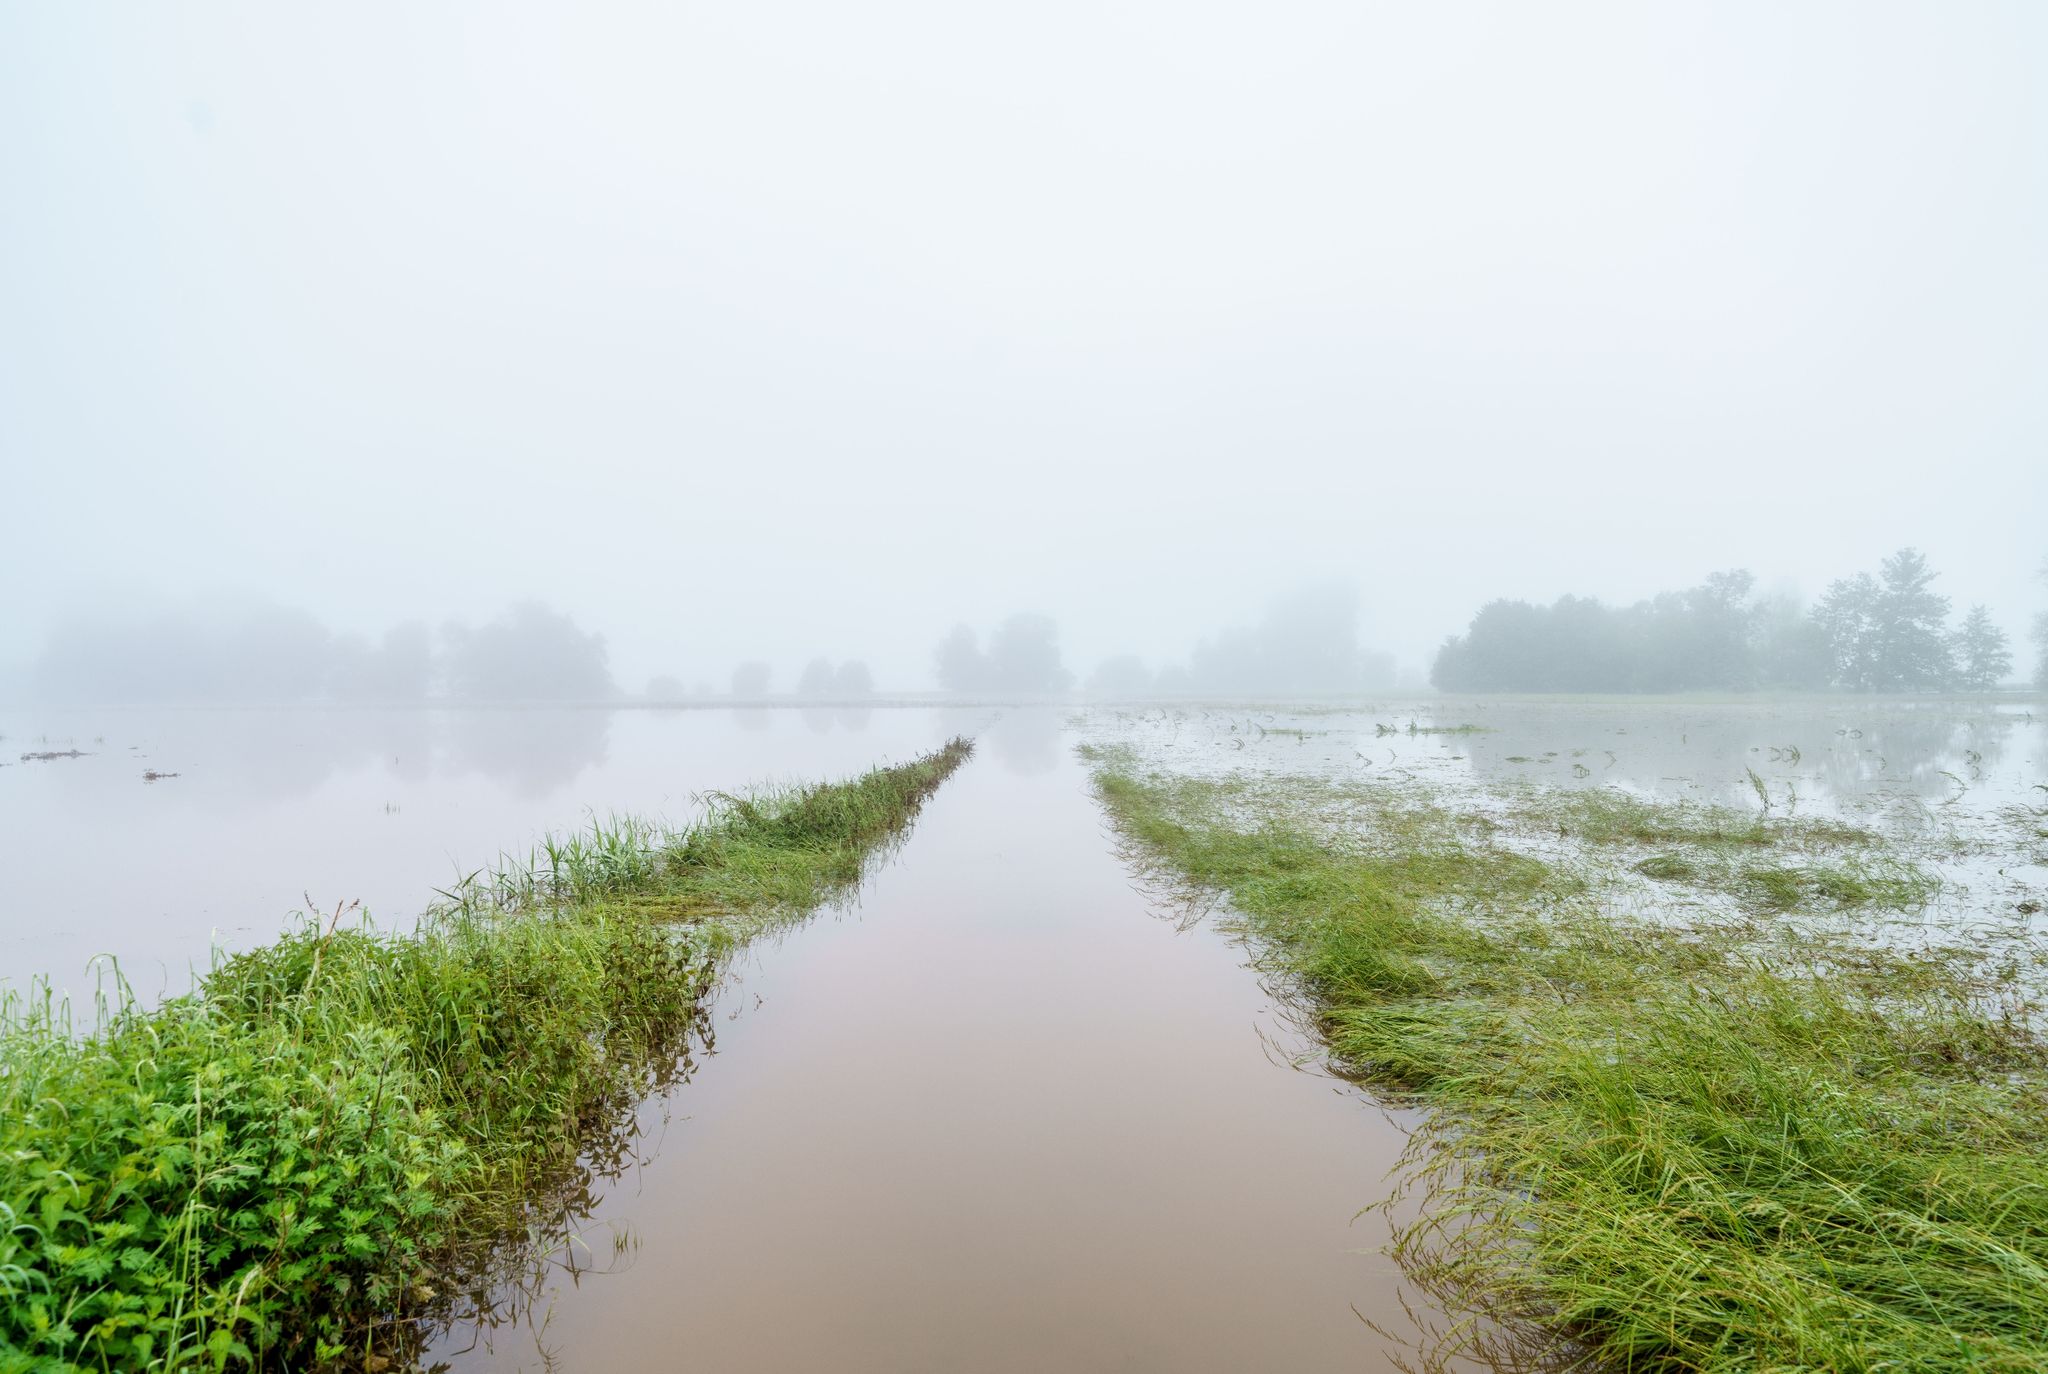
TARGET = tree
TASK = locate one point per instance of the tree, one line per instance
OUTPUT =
(1788, 648)
(1120, 677)
(853, 680)
(1847, 617)
(1024, 656)
(750, 679)
(816, 679)
(1889, 633)
(1982, 655)
(399, 669)
(528, 654)
(961, 665)
(664, 687)
(1912, 626)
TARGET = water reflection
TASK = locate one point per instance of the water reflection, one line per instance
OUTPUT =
(269, 805)
(1025, 740)
(1843, 749)
(531, 751)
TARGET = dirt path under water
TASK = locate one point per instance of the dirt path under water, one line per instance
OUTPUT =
(1000, 1117)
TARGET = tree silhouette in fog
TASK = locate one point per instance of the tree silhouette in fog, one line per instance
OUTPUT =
(1889, 633)
(1983, 658)
(820, 679)
(530, 653)
(1023, 656)
(750, 679)
(400, 668)
(1881, 632)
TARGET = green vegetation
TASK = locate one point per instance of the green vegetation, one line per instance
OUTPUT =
(1680, 1146)
(291, 1166)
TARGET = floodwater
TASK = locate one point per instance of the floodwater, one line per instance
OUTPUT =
(999, 1114)
(1000, 1111)
(273, 809)
(1957, 785)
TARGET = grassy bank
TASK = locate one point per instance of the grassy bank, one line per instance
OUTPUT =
(294, 1165)
(1753, 1143)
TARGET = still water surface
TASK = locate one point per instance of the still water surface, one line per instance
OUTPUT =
(999, 1114)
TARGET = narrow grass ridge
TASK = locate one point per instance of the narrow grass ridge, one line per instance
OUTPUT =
(1683, 1155)
(294, 1165)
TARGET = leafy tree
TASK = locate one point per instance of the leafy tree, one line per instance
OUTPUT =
(1121, 676)
(1982, 656)
(1024, 656)
(401, 668)
(750, 679)
(1305, 641)
(816, 679)
(1912, 625)
(1847, 616)
(664, 687)
(961, 665)
(853, 679)
(530, 653)
(1788, 649)
(1889, 633)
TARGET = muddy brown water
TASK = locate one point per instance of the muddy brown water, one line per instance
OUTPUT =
(1000, 1114)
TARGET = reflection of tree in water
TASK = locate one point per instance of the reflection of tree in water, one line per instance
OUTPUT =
(531, 751)
(1842, 747)
(1025, 741)
(1922, 750)
(237, 756)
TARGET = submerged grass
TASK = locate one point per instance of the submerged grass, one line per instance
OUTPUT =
(1681, 1154)
(292, 1166)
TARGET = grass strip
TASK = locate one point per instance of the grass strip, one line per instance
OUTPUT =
(293, 1165)
(1678, 1153)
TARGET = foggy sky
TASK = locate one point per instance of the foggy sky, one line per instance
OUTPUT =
(782, 330)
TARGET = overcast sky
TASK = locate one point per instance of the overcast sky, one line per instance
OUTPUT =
(789, 328)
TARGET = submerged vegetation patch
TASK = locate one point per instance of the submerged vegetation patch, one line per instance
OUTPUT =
(1681, 1149)
(295, 1165)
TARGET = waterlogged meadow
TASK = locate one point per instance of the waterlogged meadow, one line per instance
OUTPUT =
(1730, 1016)
(307, 1160)
(1666, 1035)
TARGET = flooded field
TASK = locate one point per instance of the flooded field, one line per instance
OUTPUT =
(269, 809)
(1959, 786)
(1004, 1109)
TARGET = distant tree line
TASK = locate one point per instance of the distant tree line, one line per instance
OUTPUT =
(1306, 643)
(1883, 632)
(1022, 657)
(274, 654)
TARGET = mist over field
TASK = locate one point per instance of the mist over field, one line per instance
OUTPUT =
(916, 686)
(764, 338)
